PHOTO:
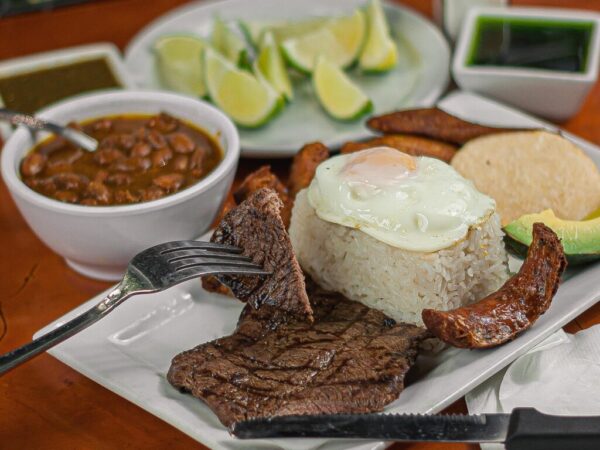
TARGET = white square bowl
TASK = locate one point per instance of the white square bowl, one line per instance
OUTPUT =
(556, 95)
(63, 57)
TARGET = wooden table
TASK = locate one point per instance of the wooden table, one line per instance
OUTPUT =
(45, 404)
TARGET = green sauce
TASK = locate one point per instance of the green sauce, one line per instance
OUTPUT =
(27, 92)
(557, 45)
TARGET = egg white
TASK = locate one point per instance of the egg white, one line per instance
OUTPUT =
(417, 204)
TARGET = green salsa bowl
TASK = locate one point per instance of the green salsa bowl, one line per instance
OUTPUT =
(542, 60)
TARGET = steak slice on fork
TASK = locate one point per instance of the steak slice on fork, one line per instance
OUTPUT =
(256, 227)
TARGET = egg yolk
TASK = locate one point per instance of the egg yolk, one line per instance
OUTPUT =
(380, 165)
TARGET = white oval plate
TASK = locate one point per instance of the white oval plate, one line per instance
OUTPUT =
(419, 79)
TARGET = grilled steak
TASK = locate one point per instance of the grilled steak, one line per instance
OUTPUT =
(302, 172)
(352, 359)
(256, 227)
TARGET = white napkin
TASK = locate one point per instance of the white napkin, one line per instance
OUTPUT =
(561, 376)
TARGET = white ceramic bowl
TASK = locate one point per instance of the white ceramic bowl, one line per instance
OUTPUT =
(99, 241)
(552, 94)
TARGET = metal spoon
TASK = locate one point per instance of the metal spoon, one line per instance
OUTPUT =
(33, 123)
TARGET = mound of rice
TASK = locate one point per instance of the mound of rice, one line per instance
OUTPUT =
(398, 282)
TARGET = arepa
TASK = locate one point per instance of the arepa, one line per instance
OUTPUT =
(528, 172)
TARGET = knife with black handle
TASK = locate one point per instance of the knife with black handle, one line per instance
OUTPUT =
(523, 429)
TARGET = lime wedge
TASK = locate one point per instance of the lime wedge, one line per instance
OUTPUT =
(379, 53)
(232, 46)
(271, 65)
(339, 40)
(350, 31)
(252, 31)
(179, 63)
(281, 29)
(288, 30)
(338, 95)
(249, 100)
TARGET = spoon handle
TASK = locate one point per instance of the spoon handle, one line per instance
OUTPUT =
(76, 137)
(16, 118)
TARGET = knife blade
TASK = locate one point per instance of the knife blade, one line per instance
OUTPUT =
(523, 429)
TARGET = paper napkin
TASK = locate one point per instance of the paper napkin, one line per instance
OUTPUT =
(561, 376)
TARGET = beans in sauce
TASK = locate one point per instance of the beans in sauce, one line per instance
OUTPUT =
(139, 158)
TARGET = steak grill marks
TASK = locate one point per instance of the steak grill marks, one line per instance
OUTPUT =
(352, 359)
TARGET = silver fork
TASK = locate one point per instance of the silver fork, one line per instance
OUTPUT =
(152, 270)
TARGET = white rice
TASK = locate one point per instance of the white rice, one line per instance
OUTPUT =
(398, 282)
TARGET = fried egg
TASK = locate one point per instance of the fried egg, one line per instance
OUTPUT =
(414, 203)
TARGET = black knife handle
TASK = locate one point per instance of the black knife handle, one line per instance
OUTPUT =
(529, 429)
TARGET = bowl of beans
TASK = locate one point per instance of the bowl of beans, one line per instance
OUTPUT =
(163, 168)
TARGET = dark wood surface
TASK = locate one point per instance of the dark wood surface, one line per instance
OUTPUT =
(44, 404)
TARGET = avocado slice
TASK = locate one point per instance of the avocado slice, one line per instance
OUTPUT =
(580, 239)
(593, 215)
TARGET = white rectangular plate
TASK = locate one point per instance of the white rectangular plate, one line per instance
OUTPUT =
(129, 352)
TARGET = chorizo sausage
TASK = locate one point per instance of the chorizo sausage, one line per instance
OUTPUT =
(264, 178)
(502, 315)
(304, 166)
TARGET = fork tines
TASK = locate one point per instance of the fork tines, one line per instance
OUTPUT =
(207, 256)
(170, 247)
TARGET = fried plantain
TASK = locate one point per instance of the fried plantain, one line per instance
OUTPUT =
(433, 123)
(413, 145)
